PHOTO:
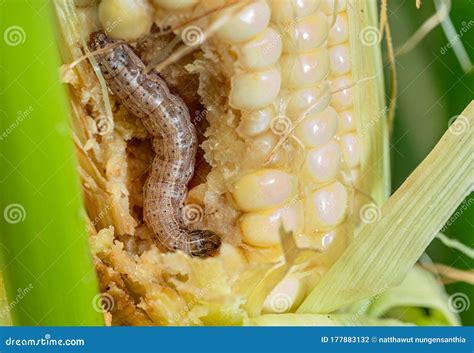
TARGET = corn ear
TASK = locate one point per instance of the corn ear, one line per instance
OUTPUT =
(388, 247)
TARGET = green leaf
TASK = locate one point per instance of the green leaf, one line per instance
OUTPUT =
(386, 249)
(47, 267)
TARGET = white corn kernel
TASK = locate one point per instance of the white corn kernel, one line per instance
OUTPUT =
(306, 34)
(126, 19)
(175, 4)
(327, 6)
(262, 228)
(302, 70)
(286, 295)
(326, 207)
(255, 90)
(343, 99)
(264, 189)
(259, 149)
(339, 33)
(317, 129)
(308, 100)
(350, 149)
(286, 11)
(340, 59)
(246, 24)
(262, 51)
(346, 121)
(256, 122)
(323, 164)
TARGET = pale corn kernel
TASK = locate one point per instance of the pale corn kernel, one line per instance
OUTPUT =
(343, 99)
(262, 51)
(308, 100)
(326, 207)
(131, 19)
(285, 296)
(307, 69)
(264, 255)
(175, 4)
(346, 121)
(317, 129)
(339, 33)
(264, 189)
(333, 244)
(255, 90)
(256, 122)
(350, 149)
(286, 11)
(327, 6)
(323, 164)
(263, 228)
(246, 24)
(306, 34)
(351, 177)
(340, 59)
(258, 150)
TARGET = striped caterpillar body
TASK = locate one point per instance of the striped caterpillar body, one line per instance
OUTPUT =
(165, 117)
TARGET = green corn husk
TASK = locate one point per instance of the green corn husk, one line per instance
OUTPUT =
(385, 250)
(47, 267)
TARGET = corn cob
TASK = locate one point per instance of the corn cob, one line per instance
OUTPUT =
(281, 85)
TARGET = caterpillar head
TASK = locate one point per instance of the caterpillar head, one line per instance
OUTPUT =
(204, 243)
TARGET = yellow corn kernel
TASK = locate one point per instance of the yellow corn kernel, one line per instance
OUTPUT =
(264, 189)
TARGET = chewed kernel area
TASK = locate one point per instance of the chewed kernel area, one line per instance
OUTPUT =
(290, 84)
